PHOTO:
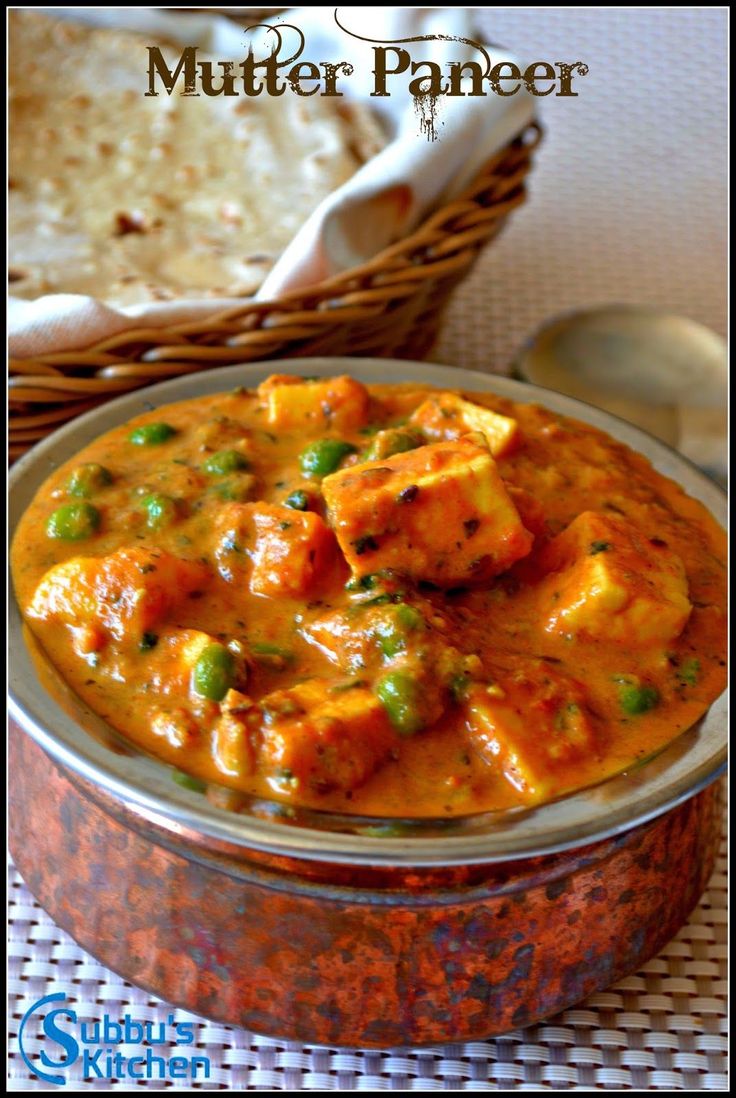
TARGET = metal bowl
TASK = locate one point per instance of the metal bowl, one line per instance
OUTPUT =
(111, 813)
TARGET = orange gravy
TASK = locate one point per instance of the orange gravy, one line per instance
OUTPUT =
(516, 701)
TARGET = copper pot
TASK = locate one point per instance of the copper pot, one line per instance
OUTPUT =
(360, 956)
(320, 928)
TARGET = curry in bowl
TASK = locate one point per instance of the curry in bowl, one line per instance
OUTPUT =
(383, 600)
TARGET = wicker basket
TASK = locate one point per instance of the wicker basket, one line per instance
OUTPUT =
(390, 307)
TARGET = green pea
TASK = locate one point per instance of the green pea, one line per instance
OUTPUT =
(214, 672)
(73, 522)
(224, 462)
(298, 500)
(151, 434)
(635, 699)
(87, 479)
(160, 510)
(398, 693)
(187, 781)
(392, 632)
(387, 443)
(323, 456)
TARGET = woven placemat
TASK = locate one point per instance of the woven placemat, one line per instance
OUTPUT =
(664, 1028)
(617, 212)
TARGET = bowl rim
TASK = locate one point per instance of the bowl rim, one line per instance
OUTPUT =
(143, 783)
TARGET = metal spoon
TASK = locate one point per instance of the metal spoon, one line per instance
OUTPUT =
(663, 372)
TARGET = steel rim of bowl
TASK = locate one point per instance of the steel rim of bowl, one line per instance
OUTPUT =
(685, 766)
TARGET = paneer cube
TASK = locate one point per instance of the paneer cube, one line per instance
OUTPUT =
(340, 403)
(293, 550)
(232, 740)
(447, 416)
(67, 593)
(610, 580)
(318, 736)
(531, 727)
(290, 551)
(177, 726)
(126, 594)
(439, 513)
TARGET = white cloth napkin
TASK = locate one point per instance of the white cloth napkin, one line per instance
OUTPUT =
(383, 201)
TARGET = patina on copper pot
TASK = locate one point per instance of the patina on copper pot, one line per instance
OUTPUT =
(322, 928)
(360, 956)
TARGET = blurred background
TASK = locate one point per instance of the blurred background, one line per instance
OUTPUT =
(627, 200)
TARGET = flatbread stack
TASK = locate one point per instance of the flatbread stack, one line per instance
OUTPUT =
(134, 199)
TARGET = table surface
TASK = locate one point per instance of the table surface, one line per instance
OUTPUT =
(627, 204)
